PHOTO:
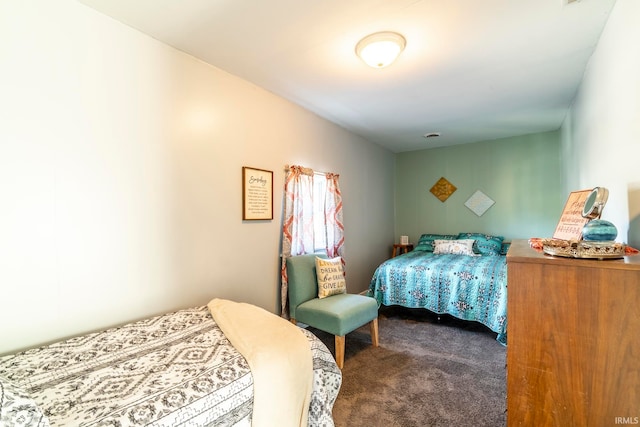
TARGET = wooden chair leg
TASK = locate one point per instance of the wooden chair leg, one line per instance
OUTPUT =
(292, 320)
(340, 351)
(374, 332)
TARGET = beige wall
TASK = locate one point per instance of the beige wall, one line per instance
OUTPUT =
(601, 135)
(120, 177)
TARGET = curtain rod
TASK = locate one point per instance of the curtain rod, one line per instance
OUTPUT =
(306, 171)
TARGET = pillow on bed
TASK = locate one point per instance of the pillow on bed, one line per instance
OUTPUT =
(330, 277)
(505, 248)
(455, 247)
(426, 241)
(18, 408)
(485, 244)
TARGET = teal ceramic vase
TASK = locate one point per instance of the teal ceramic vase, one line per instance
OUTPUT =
(599, 230)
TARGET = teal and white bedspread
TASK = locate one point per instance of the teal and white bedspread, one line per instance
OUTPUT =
(467, 287)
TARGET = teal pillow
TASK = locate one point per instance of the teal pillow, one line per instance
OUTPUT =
(485, 244)
(425, 243)
(505, 248)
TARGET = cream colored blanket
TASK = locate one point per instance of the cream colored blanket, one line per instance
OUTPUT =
(280, 359)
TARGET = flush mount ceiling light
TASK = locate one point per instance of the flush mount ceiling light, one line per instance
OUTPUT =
(379, 50)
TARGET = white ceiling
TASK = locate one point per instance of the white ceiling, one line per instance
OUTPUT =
(472, 70)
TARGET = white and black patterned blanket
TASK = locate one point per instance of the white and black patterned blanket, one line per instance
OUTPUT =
(177, 369)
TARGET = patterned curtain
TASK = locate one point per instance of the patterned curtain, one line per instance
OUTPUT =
(298, 224)
(297, 228)
(334, 229)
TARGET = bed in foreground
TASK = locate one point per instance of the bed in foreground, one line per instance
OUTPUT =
(468, 282)
(176, 369)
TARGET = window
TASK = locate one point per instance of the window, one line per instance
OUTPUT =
(319, 225)
(312, 218)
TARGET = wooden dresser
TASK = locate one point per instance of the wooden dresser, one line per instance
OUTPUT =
(573, 340)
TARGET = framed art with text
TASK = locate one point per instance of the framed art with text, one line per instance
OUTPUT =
(571, 221)
(257, 194)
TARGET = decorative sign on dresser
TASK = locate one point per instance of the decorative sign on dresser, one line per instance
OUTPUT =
(573, 350)
(571, 221)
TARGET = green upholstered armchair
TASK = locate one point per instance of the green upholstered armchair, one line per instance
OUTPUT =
(335, 314)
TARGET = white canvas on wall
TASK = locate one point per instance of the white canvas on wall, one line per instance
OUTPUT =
(479, 203)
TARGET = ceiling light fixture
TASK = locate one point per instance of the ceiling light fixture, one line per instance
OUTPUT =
(379, 50)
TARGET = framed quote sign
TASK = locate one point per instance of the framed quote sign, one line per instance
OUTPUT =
(571, 221)
(257, 194)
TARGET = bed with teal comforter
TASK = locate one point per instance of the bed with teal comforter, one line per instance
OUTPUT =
(467, 287)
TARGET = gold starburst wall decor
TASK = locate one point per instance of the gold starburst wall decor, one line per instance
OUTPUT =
(443, 189)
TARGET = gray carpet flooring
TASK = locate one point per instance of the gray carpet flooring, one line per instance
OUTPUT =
(427, 371)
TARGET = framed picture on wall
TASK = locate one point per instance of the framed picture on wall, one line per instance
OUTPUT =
(257, 194)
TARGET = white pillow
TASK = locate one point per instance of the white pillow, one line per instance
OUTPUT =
(456, 247)
(330, 277)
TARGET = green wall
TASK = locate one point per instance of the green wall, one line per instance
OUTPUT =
(521, 174)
